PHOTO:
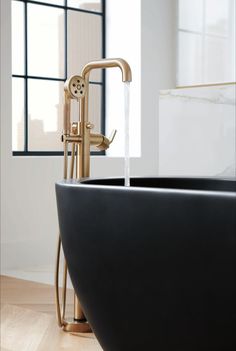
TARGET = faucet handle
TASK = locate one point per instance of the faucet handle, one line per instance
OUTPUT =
(107, 141)
(101, 141)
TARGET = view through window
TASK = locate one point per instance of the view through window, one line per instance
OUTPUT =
(52, 40)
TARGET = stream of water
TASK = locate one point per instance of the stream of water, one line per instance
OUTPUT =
(126, 110)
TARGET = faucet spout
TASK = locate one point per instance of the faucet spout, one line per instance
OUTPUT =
(87, 138)
(108, 63)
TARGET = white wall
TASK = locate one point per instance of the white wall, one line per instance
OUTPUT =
(158, 38)
(29, 220)
(144, 33)
(124, 29)
(197, 131)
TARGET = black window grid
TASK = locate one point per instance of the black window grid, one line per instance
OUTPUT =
(26, 77)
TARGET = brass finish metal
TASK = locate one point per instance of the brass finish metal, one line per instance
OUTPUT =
(65, 158)
(78, 312)
(75, 87)
(64, 291)
(109, 63)
(67, 114)
(58, 308)
(102, 142)
(79, 135)
(72, 160)
(72, 138)
(84, 167)
(72, 326)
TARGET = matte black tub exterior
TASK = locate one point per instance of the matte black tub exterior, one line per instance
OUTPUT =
(154, 265)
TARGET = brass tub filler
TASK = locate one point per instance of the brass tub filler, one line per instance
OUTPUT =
(79, 135)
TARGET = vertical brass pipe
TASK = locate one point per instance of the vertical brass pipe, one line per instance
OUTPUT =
(76, 160)
(78, 312)
(61, 313)
(72, 161)
(65, 158)
(64, 287)
(73, 325)
(65, 177)
(84, 147)
(58, 308)
(67, 111)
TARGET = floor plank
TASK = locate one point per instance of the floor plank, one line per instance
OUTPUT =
(23, 329)
(28, 320)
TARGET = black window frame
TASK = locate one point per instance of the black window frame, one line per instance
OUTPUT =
(26, 77)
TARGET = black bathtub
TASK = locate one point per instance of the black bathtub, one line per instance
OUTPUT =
(154, 265)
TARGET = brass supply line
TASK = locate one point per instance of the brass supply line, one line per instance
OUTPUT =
(78, 135)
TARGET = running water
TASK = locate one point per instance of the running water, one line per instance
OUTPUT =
(126, 110)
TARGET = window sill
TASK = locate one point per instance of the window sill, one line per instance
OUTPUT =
(50, 153)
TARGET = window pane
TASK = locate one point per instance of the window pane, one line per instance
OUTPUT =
(54, 2)
(45, 115)
(217, 65)
(189, 59)
(18, 41)
(84, 42)
(18, 114)
(45, 41)
(217, 16)
(191, 15)
(91, 5)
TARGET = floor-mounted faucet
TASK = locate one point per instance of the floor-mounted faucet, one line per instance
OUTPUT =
(78, 135)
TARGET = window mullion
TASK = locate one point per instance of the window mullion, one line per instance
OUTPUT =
(66, 46)
(26, 78)
(103, 102)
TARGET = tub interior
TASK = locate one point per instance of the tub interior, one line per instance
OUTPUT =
(209, 184)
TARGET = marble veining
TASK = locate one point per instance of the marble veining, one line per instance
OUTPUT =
(224, 94)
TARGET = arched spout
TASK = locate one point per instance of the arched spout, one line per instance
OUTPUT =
(108, 63)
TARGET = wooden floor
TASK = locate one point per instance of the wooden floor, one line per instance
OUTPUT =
(28, 321)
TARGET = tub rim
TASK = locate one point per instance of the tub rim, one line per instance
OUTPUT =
(97, 183)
